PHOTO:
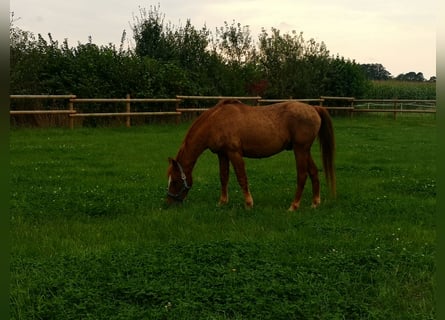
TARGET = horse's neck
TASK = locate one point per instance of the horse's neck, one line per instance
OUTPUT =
(193, 145)
(188, 155)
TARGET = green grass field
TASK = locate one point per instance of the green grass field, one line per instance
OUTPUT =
(93, 239)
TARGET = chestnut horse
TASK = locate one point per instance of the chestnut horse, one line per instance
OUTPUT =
(234, 130)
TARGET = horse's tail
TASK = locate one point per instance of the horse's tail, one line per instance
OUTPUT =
(327, 146)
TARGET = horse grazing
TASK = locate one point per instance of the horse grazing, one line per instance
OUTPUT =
(234, 130)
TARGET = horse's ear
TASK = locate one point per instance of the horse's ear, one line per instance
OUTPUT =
(172, 161)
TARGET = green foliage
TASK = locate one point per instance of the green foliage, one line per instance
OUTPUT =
(284, 62)
(411, 76)
(375, 71)
(91, 237)
(149, 34)
(345, 79)
(169, 60)
(394, 89)
(234, 43)
(184, 46)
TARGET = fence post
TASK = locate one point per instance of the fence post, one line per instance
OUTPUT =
(178, 117)
(351, 112)
(71, 108)
(128, 109)
(395, 108)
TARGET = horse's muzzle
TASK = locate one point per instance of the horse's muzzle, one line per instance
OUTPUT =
(174, 198)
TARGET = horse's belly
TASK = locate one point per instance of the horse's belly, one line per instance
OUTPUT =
(253, 139)
(260, 153)
(261, 148)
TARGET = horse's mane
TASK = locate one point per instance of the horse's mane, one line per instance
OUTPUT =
(202, 119)
(228, 101)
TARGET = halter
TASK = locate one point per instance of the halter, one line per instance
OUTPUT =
(185, 186)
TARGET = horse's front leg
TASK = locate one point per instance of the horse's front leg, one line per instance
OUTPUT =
(224, 178)
(240, 171)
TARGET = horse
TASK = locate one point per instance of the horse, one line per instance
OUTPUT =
(233, 130)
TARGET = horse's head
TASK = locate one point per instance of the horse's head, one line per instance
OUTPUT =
(178, 186)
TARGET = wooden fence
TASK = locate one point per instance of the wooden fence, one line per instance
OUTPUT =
(41, 97)
(349, 105)
(395, 106)
(128, 114)
(254, 99)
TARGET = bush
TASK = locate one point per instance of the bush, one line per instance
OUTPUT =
(169, 60)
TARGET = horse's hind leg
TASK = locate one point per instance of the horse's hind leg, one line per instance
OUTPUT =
(224, 178)
(302, 157)
(313, 174)
(240, 171)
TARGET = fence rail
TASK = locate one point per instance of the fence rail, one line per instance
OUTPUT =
(255, 99)
(394, 105)
(347, 104)
(128, 114)
(41, 96)
(284, 100)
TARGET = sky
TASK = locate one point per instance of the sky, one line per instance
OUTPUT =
(400, 35)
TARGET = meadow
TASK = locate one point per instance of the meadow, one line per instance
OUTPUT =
(92, 237)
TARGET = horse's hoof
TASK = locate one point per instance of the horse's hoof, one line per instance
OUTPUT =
(248, 205)
(315, 202)
(222, 203)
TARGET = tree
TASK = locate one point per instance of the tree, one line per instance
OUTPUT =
(304, 69)
(169, 60)
(375, 71)
(411, 76)
(234, 43)
(190, 46)
(345, 78)
(153, 39)
(281, 60)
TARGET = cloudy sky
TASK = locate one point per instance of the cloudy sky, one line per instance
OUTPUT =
(400, 35)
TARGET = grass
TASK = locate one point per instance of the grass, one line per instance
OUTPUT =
(93, 239)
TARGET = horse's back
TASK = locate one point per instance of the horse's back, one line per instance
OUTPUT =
(281, 111)
(260, 131)
(297, 119)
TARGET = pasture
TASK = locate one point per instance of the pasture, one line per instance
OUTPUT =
(93, 239)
